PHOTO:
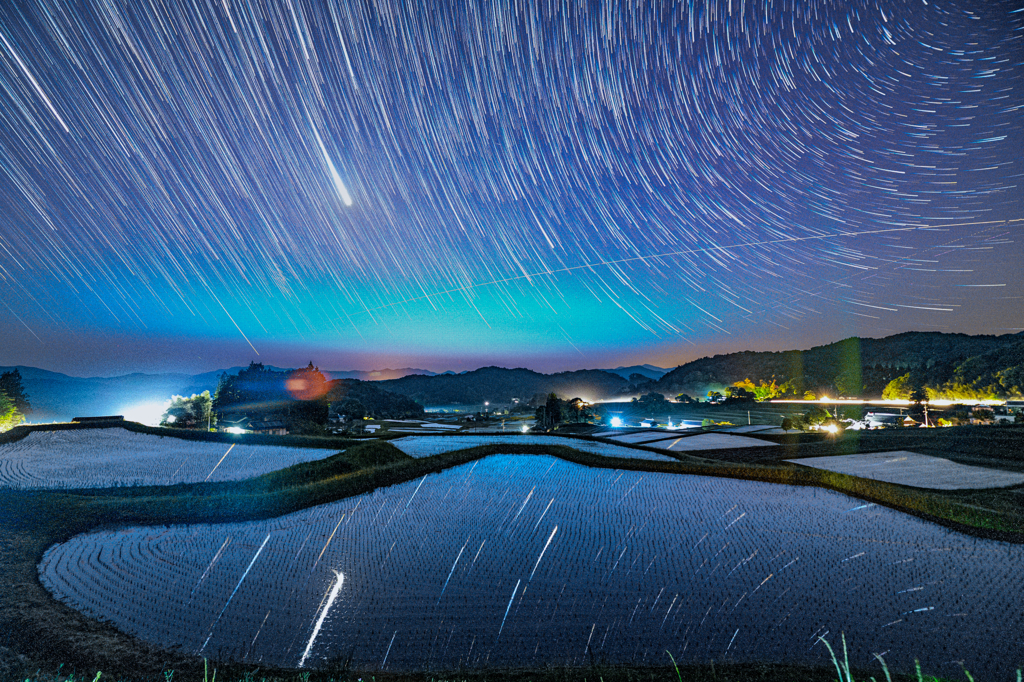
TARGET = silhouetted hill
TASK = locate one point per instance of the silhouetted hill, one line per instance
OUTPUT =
(379, 403)
(500, 385)
(649, 371)
(861, 367)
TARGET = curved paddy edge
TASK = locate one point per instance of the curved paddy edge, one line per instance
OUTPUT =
(53, 632)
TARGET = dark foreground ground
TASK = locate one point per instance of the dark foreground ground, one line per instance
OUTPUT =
(41, 639)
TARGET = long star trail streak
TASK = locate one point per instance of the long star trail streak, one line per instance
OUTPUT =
(327, 544)
(195, 183)
(209, 567)
(550, 538)
(508, 608)
(233, 592)
(454, 564)
(230, 448)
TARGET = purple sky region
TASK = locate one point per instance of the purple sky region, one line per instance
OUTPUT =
(188, 186)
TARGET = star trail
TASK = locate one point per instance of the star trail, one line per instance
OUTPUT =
(551, 184)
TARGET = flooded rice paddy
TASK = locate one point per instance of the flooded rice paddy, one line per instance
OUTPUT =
(913, 469)
(102, 458)
(428, 446)
(533, 561)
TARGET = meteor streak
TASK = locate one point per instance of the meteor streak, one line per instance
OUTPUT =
(338, 582)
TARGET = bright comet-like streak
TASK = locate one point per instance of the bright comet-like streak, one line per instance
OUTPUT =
(323, 616)
(346, 198)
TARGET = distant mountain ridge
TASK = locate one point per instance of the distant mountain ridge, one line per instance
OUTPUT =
(966, 365)
(376, 374)
(58, 397)
(954, 365)
(649, 371)
(501, 385)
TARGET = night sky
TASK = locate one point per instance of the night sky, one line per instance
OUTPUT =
(197, 184)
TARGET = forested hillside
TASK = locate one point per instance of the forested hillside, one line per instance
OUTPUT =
(379, 403)
(945, 365)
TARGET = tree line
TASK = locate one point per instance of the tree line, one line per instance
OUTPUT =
(14, 402)
(301, 401)
(952, 366)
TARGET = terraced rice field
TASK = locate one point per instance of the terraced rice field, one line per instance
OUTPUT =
(428, 446)
(102, 458)
(913, 469)
(530, 561)
(709, 441)
(753, 428)
(694, 439)
(642, 436)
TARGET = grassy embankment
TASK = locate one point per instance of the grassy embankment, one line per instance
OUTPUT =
(33, 623)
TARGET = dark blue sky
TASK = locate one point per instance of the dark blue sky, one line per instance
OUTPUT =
(187, 186)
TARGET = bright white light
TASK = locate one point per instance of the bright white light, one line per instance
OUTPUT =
(148, 413)
(832, 428)
(235, 429)
(525, 428)
(323, 615)
(616, 421)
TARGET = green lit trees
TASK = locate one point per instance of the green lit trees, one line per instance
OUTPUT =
(9, 414)
(14, 403)
(194, 412)
(899, 388)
